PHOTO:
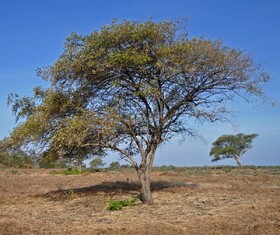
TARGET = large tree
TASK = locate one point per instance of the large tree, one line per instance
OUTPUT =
(130, 87)
(231, 146)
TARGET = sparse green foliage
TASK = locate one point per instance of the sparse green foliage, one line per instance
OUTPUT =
(74, 171)
(231, 146)
(130, 87)
(71, 193)
(50, 161)
(96, 163)
(70, 171)
(120, 204)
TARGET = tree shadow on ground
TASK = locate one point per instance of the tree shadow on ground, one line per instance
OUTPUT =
(113, 188)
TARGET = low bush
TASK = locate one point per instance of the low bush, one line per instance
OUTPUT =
(115, 205)
(70, 171)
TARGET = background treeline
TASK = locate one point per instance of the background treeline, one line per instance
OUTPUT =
(21, 160)
(16, 160)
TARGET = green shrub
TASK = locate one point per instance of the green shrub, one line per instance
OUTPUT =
(115, 205)
(70, 171)
(167, 168)
(73, 171)
(227, 169)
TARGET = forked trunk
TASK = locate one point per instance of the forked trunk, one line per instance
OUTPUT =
(144, 175)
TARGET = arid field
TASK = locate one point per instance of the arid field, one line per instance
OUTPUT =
(187, 201)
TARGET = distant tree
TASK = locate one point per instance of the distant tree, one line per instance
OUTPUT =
(130, 87)
(231, 146)
(96, 163)
(115, 165)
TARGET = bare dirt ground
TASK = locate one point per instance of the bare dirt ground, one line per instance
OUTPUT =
(33, 201)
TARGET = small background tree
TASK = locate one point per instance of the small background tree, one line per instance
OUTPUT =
(115, 165)
(231, 146)
(96, 163)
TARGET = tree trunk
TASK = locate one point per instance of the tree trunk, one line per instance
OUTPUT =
(238, 161)
(144, 175)
(80, 166)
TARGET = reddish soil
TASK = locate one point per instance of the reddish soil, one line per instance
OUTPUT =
(33, 201)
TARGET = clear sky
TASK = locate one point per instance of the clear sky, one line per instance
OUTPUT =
(33, 33)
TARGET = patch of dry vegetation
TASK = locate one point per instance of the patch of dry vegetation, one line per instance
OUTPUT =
(209, 201)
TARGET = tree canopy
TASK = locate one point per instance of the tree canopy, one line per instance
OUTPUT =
(96, 163)
(231, 146)
(130, 87)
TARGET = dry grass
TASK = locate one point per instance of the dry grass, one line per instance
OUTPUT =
(243, 202)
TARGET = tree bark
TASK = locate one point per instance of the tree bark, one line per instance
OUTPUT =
(144, 175)
(80, 166)
(237, 159)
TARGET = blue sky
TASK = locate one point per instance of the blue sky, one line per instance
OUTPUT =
(33, 33)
